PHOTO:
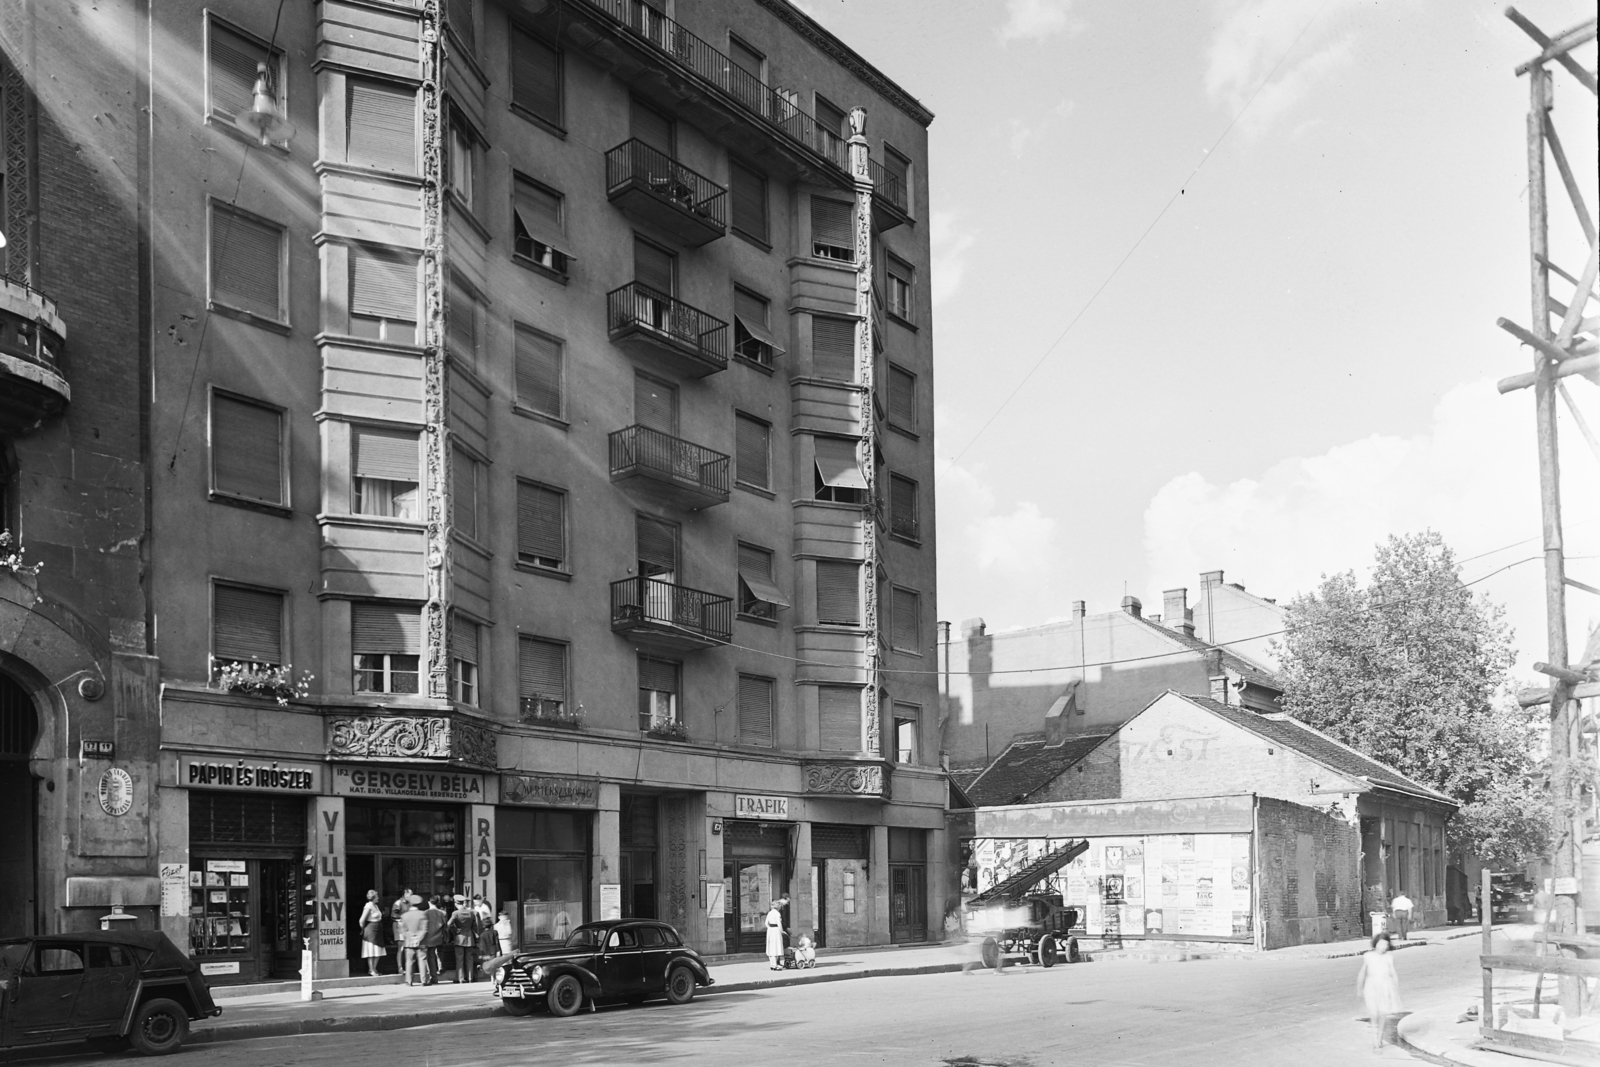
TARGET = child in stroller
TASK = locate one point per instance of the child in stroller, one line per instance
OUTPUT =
(802, 957)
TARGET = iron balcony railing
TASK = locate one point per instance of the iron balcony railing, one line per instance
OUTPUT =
(778, 108)
(887, 184)
(635, 161)
(637, 449)
(637, 306)
(651, 602)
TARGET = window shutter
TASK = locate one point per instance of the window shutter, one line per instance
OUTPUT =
(233, 72)
(461, 322)
(383, 287)
(652, 266)
(755, 570)
(839, 593)
(832, 118)
(538, 372)
(246, 263)
(833, 348)
(542, 668)
(539, 211)
(464, 488)
(902, 398)
(749, 201)
(755, 710)
(750, 308)
(899, 168)
(906, 621)
(752, 451)
(388, 454)
(464, 639)
(247, 450)
(839, 714)
(658, 543)
(654, 404)
(834, 842)
(247, 624)
(382, 128)
(837, 463)
(460, 12)
(651, 127)
(536, 77)
(541, 529)
(903, 504)
(830, 223)
(660, 675)
(377, 628)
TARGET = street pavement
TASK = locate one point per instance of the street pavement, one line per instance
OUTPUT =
(1294, 1009)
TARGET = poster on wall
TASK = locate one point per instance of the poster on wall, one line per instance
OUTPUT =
(610, 900)
(175, 890)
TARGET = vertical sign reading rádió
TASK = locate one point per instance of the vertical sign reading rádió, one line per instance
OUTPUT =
(480, 858)
(327, 844)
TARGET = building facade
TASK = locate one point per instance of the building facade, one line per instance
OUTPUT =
(542, 436)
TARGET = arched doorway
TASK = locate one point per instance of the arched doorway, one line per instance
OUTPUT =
(19, 726)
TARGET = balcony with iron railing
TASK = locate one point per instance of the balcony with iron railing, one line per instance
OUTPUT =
(682, 338)
(33, 384)
(891, 203)
(650, 185)
(669, 469)
(674, 618)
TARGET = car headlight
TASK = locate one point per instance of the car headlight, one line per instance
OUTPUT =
(536, 975)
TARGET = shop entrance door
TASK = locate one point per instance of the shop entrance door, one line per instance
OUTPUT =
(908, 903)
(19, 724)
(280, 918)
(819, 903)
(749, 889)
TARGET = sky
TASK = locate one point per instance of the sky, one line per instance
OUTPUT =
(1215, 286)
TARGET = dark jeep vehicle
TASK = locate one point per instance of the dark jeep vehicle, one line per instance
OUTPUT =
(617, 959)
(111, 989)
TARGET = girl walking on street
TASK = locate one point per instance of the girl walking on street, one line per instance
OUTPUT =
(1378, 985)
(372, 949)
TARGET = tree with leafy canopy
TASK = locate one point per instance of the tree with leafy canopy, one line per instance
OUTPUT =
(1410, 669)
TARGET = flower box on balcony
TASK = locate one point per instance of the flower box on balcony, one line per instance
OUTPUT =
(264, 680)
(668, 731)
(546, 711)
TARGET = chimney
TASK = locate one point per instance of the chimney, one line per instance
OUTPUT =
(1210, 578)
(1219, 677)
(1175, 611)
(972, 628)
(1079, 610)
(1131, 605)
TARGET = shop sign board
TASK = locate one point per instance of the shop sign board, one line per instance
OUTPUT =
(756, 806)
(222, 967)
(327, 833)
(116, 791)
(417, 784)
(249, 773)
(480, 861)
(550, 791)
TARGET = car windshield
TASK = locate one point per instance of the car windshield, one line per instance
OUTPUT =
(587, 937)
(12, 955)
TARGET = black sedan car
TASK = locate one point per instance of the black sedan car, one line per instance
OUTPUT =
(618, 959)
(111, 989)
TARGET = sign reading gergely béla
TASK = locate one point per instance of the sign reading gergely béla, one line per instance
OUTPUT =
(249, 772)
(398, 782)
(756, 806)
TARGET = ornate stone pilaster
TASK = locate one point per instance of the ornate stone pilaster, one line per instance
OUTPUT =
(866, 373)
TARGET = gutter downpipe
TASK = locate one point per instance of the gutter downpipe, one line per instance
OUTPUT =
(1255, 872)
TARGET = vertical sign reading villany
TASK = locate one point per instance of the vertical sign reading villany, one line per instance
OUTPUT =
(327, 843)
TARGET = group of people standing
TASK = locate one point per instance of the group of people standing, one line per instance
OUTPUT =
(420, 927)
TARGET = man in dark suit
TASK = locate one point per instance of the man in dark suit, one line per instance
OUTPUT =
(433, 940)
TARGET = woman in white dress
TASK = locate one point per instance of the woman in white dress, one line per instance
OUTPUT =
(1378, 985)
(775, 934)
(372, 949)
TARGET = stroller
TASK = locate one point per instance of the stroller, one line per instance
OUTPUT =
(802, 958)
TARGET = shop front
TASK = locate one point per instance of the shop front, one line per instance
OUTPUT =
(908, 884)
(544, 830)
(839, 890)
(757, 859)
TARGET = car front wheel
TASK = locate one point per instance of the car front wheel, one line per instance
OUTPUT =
(159, 1027)
(565, 996)
(680, 985)
(517, 1006)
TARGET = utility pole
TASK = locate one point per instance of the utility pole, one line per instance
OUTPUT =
(1568, 349)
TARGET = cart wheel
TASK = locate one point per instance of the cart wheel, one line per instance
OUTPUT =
(1047, 951)
(1073, 955)
(990, 953)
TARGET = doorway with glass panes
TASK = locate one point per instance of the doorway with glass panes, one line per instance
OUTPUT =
(637, 845)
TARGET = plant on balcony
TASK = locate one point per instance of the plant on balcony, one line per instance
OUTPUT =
(11, 557)
(547, 711)
(669, 731)
(264, 679)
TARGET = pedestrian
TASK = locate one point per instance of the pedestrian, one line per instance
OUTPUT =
(488, 942)
(481, 908)
(401, 905)
(775, 934)
(1400, 907)
(372, 949)
(463, 927)
(413, 929)
(1378, 985)
(433, 939)
(502, 932)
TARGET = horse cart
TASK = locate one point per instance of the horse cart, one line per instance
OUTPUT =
(1022, 925)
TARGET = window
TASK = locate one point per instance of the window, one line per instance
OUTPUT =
(832, 118)
(651, 127)
(386, 641)
(905, 732)
(542, 678)
(247, 263)
(539, 371)
(752, 332)
(903, 507)
(248, 458)
(749, 189)
(658, 693)
(656, 269)
(466, 476)
(383, 296)
(752, 446)
(383, 467)
(461, 22)
(830, 230)
(849, 892)
(902, 398)
(464, 660)
(748, 72)
(462, 323)
(538, 224)
(897, 168)
(656, 552)
(381, 125)
(57, 959)
(833, 348)
(839, 592)
(655, 404)
(246, 626)
(759, 597)
(541, 526)
(900, 277)
(463, 161)
(236, 62)
(755, 710)
(839, 718)
(905, 620)
(838, 471)
(535, 78)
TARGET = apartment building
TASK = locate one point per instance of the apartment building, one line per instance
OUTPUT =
(538, 456)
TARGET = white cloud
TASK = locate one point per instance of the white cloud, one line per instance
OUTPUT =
(950, 243)
(1252, 37)
(1472, 476)
(1037, 19)
(1002, 560)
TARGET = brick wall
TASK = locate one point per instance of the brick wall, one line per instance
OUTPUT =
(1297, 845)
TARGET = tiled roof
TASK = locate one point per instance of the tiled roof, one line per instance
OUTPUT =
(1233, 662)
(1025, 767)
(963, 777)
(1312, 743)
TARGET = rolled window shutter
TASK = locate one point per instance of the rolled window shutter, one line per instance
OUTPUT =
(751, 308)
(538, 372)
(833, 348)
(833, 842)
(539, 212)
(839, 593)
(839, 715)
(378, 628)
(247, 624)
(902, 398)
(754, 561)
(388, 454)
(654, 404)
(383, 287)
(542, 668)
(541, 531)
(460, 12)
(464, 639)
(749, 201)
(382, 126)
(838, 464)
(652, 266)
(752, 451)
(246, 263)
(658, 543)
(755, 710)
(247, 450)
(903, 500)
(461, 322)
(660, 675)
(233, 72)
(907, 619)
(651, 127)
(464, 476)
(830, 223)
(535, 77)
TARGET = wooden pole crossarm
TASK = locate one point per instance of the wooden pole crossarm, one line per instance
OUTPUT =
(1563, 674)
(1556, 48)
(1547, 265)
(1580, 585)
(1560, 355)
(1585, 365)
(1530, 698)
(1573, 192)
(1569, 321)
